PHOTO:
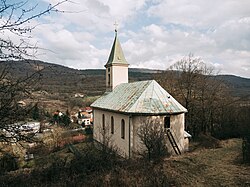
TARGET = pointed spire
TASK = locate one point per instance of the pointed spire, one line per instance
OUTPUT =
(116, 28)
(116, 54)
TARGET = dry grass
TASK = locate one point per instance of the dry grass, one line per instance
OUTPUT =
(202, 167)
(210, 167)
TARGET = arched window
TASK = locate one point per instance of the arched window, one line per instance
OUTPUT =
(103, 122)
(112, 125)
(123, 129)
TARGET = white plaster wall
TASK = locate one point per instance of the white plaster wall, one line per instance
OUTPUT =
(115, 139)
(137, 121)
(176, 126)
(177, 129)
(119, 75)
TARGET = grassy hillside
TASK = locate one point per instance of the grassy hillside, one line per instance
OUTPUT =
(210, 167)
(201, 167)
(60, 79)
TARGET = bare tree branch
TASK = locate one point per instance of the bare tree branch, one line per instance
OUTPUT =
(15, 18)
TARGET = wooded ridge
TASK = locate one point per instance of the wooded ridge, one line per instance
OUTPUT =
(57, 78)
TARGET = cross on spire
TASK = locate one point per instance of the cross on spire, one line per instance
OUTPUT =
(116, 26)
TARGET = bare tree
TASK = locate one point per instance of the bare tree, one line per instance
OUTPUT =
(15, 20)
(107, 147)
(195, 85)
(152, 136)
(15, 17)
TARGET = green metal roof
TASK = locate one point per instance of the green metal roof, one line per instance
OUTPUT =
(144, 97)
(116, 54)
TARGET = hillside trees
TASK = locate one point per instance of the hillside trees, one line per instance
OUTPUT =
(193, 83)
(15, 32)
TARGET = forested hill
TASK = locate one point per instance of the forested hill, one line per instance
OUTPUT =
(58, 78)
(240, 86)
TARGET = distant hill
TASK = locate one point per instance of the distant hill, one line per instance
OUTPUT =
(240, 86)
(57, 78)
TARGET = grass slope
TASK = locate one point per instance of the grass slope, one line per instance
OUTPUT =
(210, 167)
(201, 167)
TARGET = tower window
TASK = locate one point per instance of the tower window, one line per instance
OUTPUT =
(123, 129)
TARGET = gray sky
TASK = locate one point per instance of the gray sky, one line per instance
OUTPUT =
(153, 33)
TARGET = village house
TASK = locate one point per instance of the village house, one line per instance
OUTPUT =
(88, 113)
(125, 107)
(83, 116)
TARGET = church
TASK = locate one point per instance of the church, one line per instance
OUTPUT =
(125, 107)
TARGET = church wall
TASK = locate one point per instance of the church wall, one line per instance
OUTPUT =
(177, 129)
(176, 126)
(137, 121)
(114, 139)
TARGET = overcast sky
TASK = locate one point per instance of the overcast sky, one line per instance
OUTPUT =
(153, 33)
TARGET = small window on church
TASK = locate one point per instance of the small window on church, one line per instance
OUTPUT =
(103, 122)
(109, 79)
(167, 122)
(123, 129)
(112, 125)
(108, 69)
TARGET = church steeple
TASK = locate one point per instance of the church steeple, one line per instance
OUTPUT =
(116, 66)
(116, 54)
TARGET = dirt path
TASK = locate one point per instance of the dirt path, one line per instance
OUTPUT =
(210, 167)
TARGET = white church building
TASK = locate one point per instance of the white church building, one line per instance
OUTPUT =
(124, 107)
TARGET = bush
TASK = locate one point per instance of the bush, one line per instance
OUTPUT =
(92, 167)
(8, 163)
(89, 130)
(152, 137)
(246, 149)
(39, 149)
(208, 142)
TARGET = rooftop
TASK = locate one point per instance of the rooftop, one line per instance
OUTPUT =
(144, 97)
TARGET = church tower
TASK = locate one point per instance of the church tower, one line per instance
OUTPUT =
(116, 67)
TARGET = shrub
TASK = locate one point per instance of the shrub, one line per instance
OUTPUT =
(152, 137)
(8, 163)
(246, 149)
(208, 142)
